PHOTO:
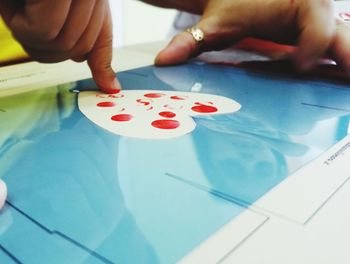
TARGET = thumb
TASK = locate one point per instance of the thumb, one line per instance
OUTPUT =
(317, 24)
(219, 33)
(182, 47)
(100, 58)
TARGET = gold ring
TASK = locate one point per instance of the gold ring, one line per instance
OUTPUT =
(197, 34)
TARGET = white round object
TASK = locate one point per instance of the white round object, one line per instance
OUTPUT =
(3, 193)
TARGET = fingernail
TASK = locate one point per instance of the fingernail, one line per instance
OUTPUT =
(116, 84)
(114, 88)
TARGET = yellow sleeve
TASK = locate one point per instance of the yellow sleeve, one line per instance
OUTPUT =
(10, 50)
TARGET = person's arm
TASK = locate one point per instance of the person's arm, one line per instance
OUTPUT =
(308, 24)
(57, 30)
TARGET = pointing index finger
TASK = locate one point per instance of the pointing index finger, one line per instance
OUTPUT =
(100, 58)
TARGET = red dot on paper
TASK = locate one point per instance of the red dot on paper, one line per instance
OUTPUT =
(106, 104)
(175, 97)
(167, 114)
(166, 124)
(153, 95)
(204, 109)
(122, 117)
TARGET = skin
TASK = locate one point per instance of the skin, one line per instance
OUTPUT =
(57, 30)
(308, 24)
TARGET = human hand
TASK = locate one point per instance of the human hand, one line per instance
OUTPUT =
(308, 24)
(57, 30)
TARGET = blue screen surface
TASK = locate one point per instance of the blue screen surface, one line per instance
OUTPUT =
(79, 193)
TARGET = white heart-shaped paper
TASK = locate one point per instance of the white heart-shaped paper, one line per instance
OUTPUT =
(151, 114)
